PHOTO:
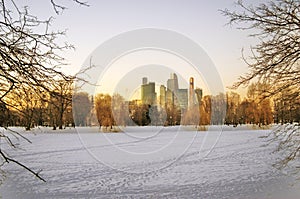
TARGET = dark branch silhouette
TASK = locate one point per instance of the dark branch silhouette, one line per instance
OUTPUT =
(275, 61)
(29, 59)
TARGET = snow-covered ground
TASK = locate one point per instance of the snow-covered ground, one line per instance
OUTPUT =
(147, 162)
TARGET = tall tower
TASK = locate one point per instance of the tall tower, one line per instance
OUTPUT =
(148, 94)
(172, 83)
(162, 98)
(191, 92)
(145, 80)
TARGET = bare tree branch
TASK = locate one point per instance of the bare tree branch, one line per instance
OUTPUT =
(277, 57)
(58, 8)
(275, 60)
(30, 61)
(8, 159)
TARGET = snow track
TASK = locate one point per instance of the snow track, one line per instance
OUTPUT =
(237, 167)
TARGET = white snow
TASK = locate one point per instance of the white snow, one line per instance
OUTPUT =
(147, 162)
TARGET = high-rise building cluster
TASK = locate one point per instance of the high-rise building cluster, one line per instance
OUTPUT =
(170, 95)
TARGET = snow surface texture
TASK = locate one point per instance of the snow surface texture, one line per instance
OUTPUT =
(147, 162)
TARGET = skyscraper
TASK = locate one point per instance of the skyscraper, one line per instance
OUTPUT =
(182, 96)
(145, 80)
(174, 94)
(162, 97)
(148, 94)
(169, 98)
(191, 93)
(172, 83)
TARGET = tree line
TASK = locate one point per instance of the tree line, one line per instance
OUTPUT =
(256, 108)
(68, 108)
(30, 107)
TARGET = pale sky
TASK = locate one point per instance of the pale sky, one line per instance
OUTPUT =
(199, 20)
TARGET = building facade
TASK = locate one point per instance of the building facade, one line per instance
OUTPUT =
(148, 94)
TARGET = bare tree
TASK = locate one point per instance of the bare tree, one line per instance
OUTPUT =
(81, 106)
(205, 110)
(60, 101)
(103, 107)
(118, 109)
(275, 60)
(29, 57)
(262, 104)
(26, 102)
(233, 102)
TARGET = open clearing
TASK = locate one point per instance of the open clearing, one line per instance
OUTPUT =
(147, 162)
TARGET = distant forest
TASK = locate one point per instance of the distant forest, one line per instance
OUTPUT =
(69, 108)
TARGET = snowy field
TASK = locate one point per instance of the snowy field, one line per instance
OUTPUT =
(147, 162)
